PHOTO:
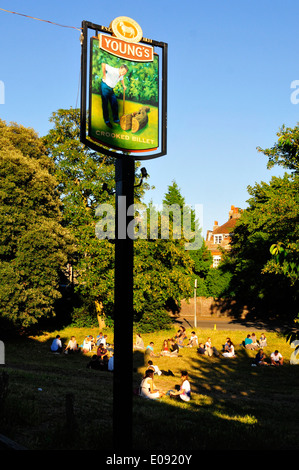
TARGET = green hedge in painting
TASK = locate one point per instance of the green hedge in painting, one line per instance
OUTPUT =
(141, 79)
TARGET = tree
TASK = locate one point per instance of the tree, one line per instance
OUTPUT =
(285, 152)
(34, 246)
(86, 180)
(163, 267)
(265, 283)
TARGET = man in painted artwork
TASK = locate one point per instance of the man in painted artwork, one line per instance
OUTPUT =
(111, 77)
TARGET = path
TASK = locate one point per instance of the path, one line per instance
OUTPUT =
(223, 323)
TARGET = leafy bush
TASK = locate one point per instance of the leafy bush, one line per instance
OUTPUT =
(153, 320)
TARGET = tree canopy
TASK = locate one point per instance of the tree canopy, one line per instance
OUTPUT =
(268, 283)
(162, 268)
(34, 246)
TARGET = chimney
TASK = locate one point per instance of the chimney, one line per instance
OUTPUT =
(234, 212)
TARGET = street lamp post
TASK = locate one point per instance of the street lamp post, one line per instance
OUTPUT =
(195, 319)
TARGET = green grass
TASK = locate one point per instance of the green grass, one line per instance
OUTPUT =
(147, 137)
(234, 405)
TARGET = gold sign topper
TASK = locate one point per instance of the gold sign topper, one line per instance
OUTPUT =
(126, 29)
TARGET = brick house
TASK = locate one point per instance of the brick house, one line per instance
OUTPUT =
(220, 236)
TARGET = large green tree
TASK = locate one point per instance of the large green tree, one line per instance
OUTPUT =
(163, 268)
(258, 279)
(34, 247)
(86, 183)
(82, 174)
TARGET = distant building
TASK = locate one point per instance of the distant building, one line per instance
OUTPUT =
(220, 236)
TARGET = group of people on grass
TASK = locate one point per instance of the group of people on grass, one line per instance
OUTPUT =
(149, 390)
(103, 357)
(251, 342)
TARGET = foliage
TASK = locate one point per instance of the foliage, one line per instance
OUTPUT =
(217, 282)
(285, 151)
(286, 262)
(162, 268)
(154, 318)
(34, 246)
(141, 79)
(81, 173)
(267, 283)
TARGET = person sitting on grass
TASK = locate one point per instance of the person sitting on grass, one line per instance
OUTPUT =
(193, 341)
(167, 350)
(210, 349)
(87, 346)
(184, 393)
(147, 387)
(151, 366)
(150, 350)
(255, 343)
(260, 358)
(248, 343)
(56, 345)
(201, 349)
(181, 336)
(139, 344)
(174, 347)
(72, 346)
(230, 350)
(276, 358)
(102, 353)
(263, 340)
(226, 345)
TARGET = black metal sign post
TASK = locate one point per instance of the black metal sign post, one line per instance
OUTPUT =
(124, 242)
(123, 307)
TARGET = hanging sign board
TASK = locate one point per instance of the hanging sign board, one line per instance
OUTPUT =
(127, 91)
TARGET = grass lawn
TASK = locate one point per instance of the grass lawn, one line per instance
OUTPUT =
(146, 137)
(234, 406)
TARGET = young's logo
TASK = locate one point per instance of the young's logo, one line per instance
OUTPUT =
(126, 29)
(125, 50)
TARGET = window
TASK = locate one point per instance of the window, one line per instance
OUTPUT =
(217, 239)
(216, 261)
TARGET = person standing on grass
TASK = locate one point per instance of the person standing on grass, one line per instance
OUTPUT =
(111, 77)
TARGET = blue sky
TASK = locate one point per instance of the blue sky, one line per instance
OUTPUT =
(230, 69)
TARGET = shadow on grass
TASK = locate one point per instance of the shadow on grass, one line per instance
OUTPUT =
(233, 404)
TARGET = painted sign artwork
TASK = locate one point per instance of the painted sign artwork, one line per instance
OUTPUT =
(124, 93)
